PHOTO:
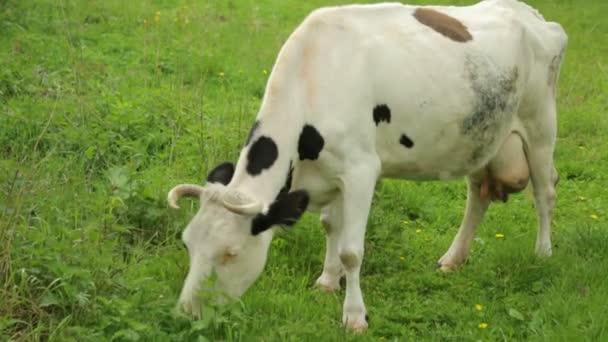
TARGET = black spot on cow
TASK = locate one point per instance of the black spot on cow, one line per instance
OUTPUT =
(262, 154)
(284, 211)
(406, 141)
(252, 132)
(310, 143)
(554, 70)
(287, 186)
(221, 174)
(495, 90)
(382, 113)
(442, 23)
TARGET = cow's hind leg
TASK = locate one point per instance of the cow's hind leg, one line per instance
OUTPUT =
(540, 145)
(544, 179)
(473, 215)
(331, 216)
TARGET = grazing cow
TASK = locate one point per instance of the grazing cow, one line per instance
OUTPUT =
(388, 90)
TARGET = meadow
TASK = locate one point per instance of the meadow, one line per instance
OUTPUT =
(105, 105)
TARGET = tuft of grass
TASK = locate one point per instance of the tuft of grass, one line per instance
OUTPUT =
(105, 105)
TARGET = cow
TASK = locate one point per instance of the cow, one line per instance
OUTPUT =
(360, 92)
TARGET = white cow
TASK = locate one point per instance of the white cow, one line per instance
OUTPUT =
(388, 90)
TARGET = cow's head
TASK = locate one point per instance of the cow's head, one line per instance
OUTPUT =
(230, 234)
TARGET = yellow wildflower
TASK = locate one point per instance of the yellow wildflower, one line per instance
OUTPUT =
(500, 235)
(593, 216)
(478, 307)
(265, 72)
(402, 258)
(221, 74)
(483, 325)
(418, 231)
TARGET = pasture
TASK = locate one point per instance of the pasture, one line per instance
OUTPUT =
(105, 105)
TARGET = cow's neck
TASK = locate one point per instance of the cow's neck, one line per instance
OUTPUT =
(280, 120)
(278, 125)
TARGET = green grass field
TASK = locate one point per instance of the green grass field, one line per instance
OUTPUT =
(105, 105)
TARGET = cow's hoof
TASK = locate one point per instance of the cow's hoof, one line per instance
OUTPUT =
(446, 265)
(543, 251)
(451, 261)
(328, 284)
(190, 307)
(446, 268)
(356, 323)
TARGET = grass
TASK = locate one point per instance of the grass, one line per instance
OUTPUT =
(105, 105)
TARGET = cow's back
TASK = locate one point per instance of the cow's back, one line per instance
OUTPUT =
(434, 91)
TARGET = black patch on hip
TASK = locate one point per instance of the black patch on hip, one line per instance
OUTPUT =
(310, 143)
(495, 90)
(382, 113)
(406, 141)
(262, 154)
(252, 132)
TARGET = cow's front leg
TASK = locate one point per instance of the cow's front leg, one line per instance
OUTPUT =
(357, 192)
(473, 214)
(331, 217)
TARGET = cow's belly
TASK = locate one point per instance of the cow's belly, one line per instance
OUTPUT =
(440, 152)
(438, 166)
(449, 129)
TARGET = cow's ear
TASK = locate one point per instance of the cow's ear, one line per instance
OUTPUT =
(286, 210)
(221, 174)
